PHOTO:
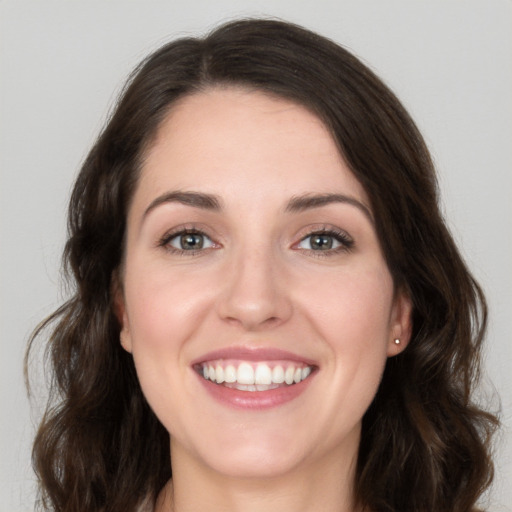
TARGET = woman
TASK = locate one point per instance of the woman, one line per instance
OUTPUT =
(269, 310)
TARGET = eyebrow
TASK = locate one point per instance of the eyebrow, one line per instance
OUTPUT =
(194, 199)
(296, 204)
(310, 201)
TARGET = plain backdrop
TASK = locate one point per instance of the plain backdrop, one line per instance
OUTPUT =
(62, 63)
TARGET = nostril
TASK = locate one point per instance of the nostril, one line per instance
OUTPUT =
(253, 321)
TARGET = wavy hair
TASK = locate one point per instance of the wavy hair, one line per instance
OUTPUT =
(425, 444)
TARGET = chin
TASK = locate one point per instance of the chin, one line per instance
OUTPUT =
(256, 464)
(250, 453)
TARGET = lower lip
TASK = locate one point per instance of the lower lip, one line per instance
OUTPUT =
(255, 400)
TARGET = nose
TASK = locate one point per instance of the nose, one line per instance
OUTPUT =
(255, 292)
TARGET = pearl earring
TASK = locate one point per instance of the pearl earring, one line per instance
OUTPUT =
(397, 341)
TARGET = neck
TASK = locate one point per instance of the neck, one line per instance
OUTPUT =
(325, 486)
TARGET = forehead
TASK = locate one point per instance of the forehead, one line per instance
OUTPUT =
(233, 141)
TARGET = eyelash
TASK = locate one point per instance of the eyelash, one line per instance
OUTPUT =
(342, 237)
(165, 241)
(345, 241)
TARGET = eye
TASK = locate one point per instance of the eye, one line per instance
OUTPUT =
(324, 241)
(188, 240)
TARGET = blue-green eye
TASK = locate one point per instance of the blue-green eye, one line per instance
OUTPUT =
(187, 241)
(326, 241)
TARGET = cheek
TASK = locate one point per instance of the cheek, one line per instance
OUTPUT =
(163, 312)
(349, 312)
(353, 308)
(162, 306)
(352, 314)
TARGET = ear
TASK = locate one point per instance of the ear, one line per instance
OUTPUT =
(119, 306)
(401, 324)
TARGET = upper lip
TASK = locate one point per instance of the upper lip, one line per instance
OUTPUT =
(245, 353)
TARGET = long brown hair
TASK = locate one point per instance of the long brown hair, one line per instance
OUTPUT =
(424, 445)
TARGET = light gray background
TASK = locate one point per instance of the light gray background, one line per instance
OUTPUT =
(62, 62)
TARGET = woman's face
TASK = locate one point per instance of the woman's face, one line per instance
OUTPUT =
(256, 300)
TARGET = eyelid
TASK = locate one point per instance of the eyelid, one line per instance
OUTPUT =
(345, 240)
(343, 237)
(164, 241)
(179, 236)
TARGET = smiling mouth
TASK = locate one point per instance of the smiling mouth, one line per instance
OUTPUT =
(254, 376)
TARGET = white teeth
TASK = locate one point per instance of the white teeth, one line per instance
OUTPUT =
(230, 373)
(278, 374)
(288, 375)
(263, 374)
(219, 374)
(265, 387)
(245, 374)
(252, 387)
(254, 376)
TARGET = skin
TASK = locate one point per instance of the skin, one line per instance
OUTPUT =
(257, 283)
